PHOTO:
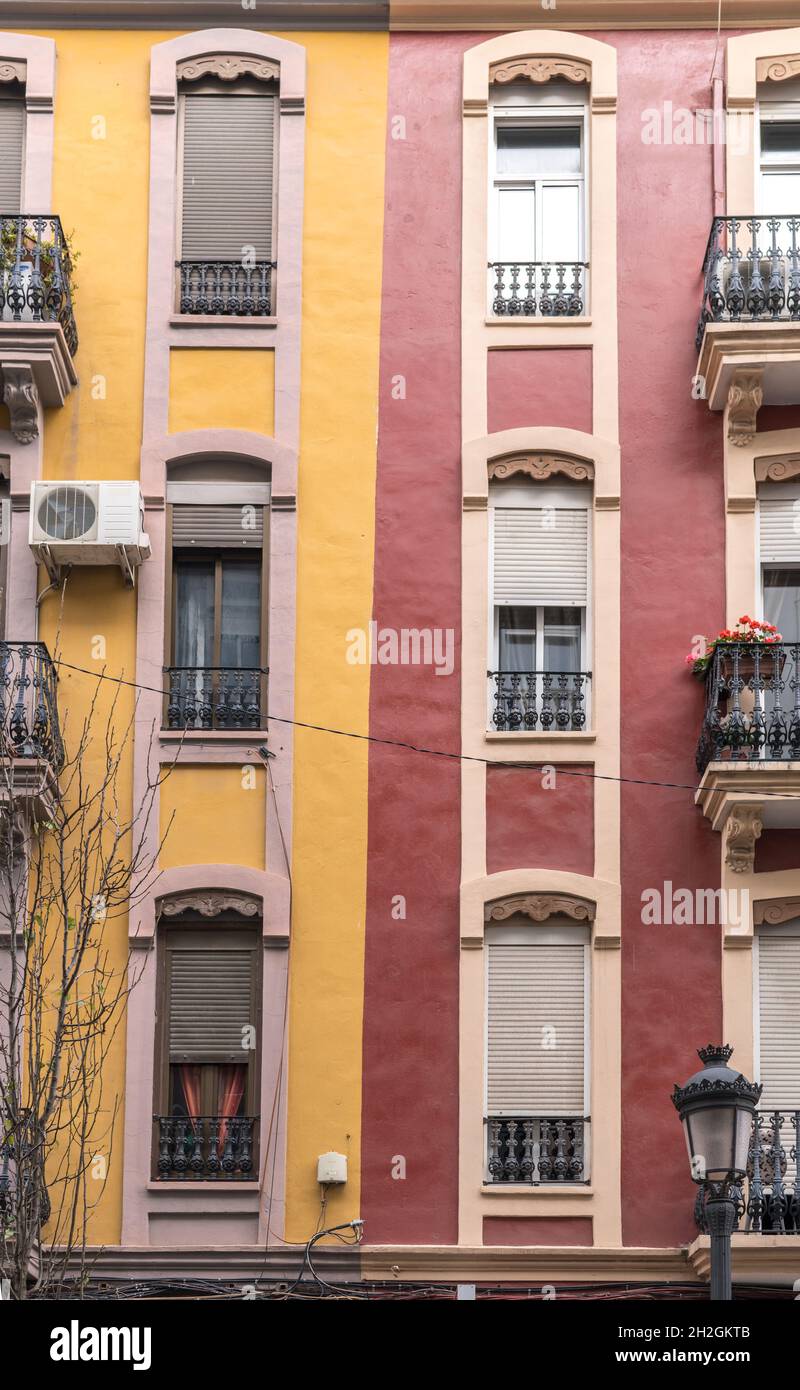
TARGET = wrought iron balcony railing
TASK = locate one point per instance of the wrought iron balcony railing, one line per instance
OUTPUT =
(205, 1148)
(226, 287)
(36, 274)
(752, 703)
(29, 726)
(769, 1199)
(538, 1149)
(752, 271)
(216, 697)
(554, 289)
(547, 701)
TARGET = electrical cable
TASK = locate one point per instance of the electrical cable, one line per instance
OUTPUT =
(434, 752)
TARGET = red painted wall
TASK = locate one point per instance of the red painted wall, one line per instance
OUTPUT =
(534, 826)
(777, 849)
(672, 586)
(411, 970)
(541, 386)
(537, 1230)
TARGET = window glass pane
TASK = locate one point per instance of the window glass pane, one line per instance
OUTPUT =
(779, 193)
(194, 614)
(241, 614)
(516, 231)
(782, 602)
(517, 646)
(528, 152)
(562, 639)
(780, 141)
(561, 223)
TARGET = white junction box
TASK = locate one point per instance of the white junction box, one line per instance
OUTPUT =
(88, 523)
(332, 1168)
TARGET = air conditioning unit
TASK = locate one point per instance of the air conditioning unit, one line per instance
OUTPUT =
(88, 524)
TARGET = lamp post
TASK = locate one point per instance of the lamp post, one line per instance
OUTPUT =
(717, 1107)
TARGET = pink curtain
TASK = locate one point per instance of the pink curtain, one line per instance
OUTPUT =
(189, 1073)
(230, 1091)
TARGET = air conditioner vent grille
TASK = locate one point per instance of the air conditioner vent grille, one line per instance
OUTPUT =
(67, 513)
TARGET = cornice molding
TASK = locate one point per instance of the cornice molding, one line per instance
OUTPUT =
(505, 15)
(192, 15)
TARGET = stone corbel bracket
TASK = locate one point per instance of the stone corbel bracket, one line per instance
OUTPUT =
(745, 398)
(743, 828)
(22, 399)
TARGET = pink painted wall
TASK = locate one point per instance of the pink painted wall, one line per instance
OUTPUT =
(672, 586)
(540, 826)
(537, 1230)
(541, 386)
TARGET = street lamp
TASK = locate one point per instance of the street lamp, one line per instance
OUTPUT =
(717, 1106)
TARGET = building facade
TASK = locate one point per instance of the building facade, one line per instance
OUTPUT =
(448, 375)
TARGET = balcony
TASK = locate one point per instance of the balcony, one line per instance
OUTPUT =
(748, 334)
(38, 336)
(769, 1201)
(216, 697)
(547, 702)
(748, 754)
(226, 287)
(537, 1150)
(208, 1148)
(30, 737)
(536, 289)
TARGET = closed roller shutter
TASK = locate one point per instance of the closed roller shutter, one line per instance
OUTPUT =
(214, 526)
(536, 1046)
(210, 1002)
(228, 158)
(541, 555)
(779, 1019)
(779, 526)
(12, 135)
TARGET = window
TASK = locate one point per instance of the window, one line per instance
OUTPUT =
(777, 962)
(540, 586)
(536, 1068)
(217, 636)
(537, 214)
(206, 1083)
(12, 140)
(228, 137)
(780, 157)
(779, 545)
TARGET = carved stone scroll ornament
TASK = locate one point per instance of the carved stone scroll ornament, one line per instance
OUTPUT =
(14, 834)
(539, 70)
(228, 67)
(12, 72)
(540, 467)
(540, 906)
(745, 397)
(743, 828)
(778, 69)
(777, 468)
(209, 903)
(772, 911)
(22, 398)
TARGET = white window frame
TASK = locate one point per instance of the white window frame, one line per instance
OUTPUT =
(549, 934)
(540, 495)
(531, 107)
(778, 492)
(774, 113)
(791, 929)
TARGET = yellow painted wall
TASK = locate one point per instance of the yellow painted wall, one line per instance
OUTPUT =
(222, 388)
(346, 131)
(217, 815)
(101, 192)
